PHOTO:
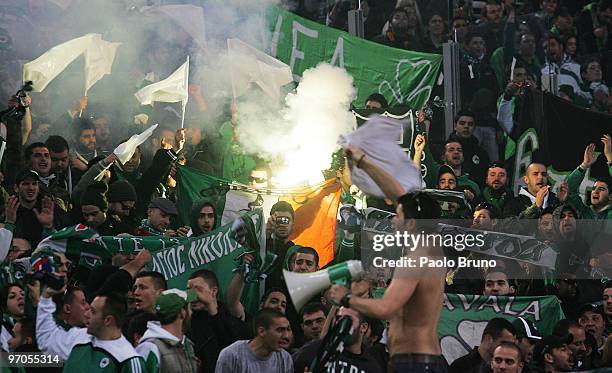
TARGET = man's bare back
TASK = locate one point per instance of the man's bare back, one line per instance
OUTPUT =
(413, 329)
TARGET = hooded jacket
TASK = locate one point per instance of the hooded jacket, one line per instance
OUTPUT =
(574, 254)
(83, 350)
(159, 360)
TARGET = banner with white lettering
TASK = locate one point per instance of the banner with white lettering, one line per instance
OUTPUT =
(402, 76)
(174, 257)
(464, 318)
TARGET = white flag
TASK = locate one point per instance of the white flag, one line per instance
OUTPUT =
(250, 65)
(189, 17)
(45, 68)
(99, 59)
(171, 89)
(377, 138)
(126, 150)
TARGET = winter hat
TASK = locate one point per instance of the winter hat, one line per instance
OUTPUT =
(121, 191)
(95, 195)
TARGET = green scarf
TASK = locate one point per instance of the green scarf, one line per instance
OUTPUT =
(144, 225)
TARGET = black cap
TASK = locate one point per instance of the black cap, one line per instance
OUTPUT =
(165, 205)
(591, 307)
(445, 169)
(547, 344)
(526, 329)
(121, 191)
(24, 174)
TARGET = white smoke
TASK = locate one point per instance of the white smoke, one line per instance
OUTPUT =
(300, 137)
(297, 135)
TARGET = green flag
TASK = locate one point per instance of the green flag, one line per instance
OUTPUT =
(174, 257)
(403, 77)
(464, 318)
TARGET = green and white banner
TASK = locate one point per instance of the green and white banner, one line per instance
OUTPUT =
(464, 318)
(175, 257)
(403, 77)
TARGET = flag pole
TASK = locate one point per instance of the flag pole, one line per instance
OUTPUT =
(186, 95)
(231, 76)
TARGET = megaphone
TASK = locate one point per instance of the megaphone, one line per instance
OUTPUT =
(303, 286)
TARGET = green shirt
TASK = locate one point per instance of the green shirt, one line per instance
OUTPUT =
(90, 359)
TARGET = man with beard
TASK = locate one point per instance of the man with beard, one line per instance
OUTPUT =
(399, 34)
(159, 213)
(203, 217)
(353, 358)
(164, 345)
(121, 203)
(67, 177)
(496, 190)
(531, 201)
(557, 62)
(212, 326)
(599, 208)
(94, 207)
(574, 251)
(452, 162)
(552, 354)
(85, 141)
(591, 318)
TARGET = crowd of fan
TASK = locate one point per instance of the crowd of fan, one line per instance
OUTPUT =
(60, 172)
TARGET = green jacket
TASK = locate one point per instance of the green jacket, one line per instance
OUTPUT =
(82, 351)
(600, 221)
(431, 175)
(574, 180)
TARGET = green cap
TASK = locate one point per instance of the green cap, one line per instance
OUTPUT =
(170, 302)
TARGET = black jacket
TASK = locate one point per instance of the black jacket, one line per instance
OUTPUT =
(28, 227)
(521, 206)
(211, 334)
(476, 159)
(470, 363)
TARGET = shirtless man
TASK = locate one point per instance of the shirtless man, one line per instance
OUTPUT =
(413, 301)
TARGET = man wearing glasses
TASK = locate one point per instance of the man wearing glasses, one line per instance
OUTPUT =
(312, 320)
